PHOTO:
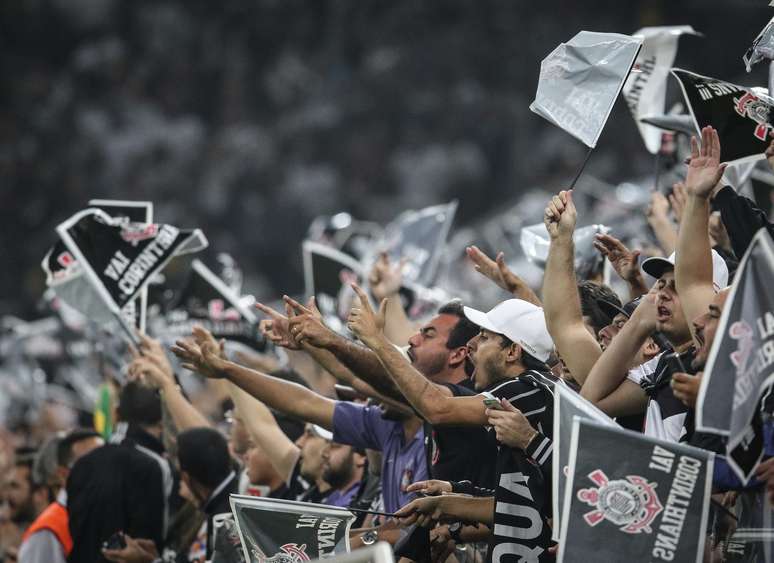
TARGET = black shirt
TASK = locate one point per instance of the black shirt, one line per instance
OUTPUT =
(523, 494)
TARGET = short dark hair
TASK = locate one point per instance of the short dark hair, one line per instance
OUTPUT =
(590, 294)
(203, 454)
(64, 449)
(139, 404)
(462, 332)
(527, 360)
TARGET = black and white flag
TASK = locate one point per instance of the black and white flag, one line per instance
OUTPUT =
(208, 302)
(328, 274)
(568, 405)
(762, 48)
(633, 497)
(115, 257)
(740, 114)
(740, 366)
(282, 531)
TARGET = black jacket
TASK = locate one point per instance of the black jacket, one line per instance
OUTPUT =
(741, 218)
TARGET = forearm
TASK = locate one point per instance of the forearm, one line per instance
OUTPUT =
(364, 364)
(397, 327)
(524, 292)
(264, 430)
(287, 397)
(468, 509)
(666, 233)
(184, 415)
(612, 366)
(693, 269)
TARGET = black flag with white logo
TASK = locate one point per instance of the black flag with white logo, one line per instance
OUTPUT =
(631, 494)
(208, 302)
(740, 115)
(740, 366)
(328, 274)
(283, 531)
(116, 258)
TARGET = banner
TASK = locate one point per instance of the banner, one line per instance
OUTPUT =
(328, 274)
(568, 405)
(419, 237)
(580, 80)
(115, 257)
(133, 212)
(207, 301)
(740, 115)
(762, 48)
(635, 495)
(740, 366)
(535, 242)
(283, 531)
(645, 91)
(227, 546)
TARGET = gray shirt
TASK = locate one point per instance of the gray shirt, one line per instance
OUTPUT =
(42, 547)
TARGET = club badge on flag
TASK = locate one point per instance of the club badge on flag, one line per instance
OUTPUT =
(740, 114)
(328, 274)
(740, 366)
(580, 81)
(207, 301)
(631, 494)
(115, 257)
(645, 90)
(283, 531)
(568, 405)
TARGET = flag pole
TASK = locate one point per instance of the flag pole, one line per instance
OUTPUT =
(582, 168)
(128, 332)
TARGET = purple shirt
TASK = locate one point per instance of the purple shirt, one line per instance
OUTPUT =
(402, 463)
(343, 498)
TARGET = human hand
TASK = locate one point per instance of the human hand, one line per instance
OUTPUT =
(511, 427)
(366, 324)
(765, 473)
(496, 270)
(203, 354)
(560, 215)
(704, 169)
(385, 277)
(136, 551)
(421, 511)
(686, 388)
(430, 487)
(658, 210)
(718, 233)
(276, 328)
(623, 260)
(150, 363)
(646, 313)
(441, 543)
(305, 324)
(677, 200)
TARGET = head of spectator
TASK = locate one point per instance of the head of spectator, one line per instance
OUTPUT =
(439, 350)
(18, 490)
(513, 338)
(312, 444)
(620, 315)
(258, 465)
(595, 315)
(671, 320)
(342, 465)
(705, 328)
(204, 461)
(140, 406)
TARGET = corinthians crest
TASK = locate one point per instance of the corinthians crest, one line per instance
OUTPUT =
(631, 503)
(290, 553)
(756, 109)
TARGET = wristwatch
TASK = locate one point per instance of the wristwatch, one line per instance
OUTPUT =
(454, 531)
(370, 537)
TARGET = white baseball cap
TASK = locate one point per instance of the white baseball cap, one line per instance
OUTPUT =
(519, 320)
(657, 266)
(322, 432)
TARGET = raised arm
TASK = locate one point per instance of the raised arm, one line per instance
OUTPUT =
(287, 397)
(264, 430)
(662, 225)
(564, 319)
(498, 272)
(693, 265)
(433, 402)
(385, 281)
(154, 368)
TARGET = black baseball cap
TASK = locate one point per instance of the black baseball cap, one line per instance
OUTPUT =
(611, 309)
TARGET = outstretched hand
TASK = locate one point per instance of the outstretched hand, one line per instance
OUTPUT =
(202, 354)
(623, 260)
(386, 277)
(704, 169)
(366, 324)
(276, 328)
(496, 270)
(511, 426)
(560, 215)
(305, 323)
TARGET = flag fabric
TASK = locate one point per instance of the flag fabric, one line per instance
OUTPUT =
(580, 81)
(133, 212)
(535, 242)
(740, 114)
(227, 546)
(762, 48)
(568, 405)
(645, 91)
(328, 274)
(116, 258)
(740, 366)
(281, 530)
(207, 301)
(632, 494)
